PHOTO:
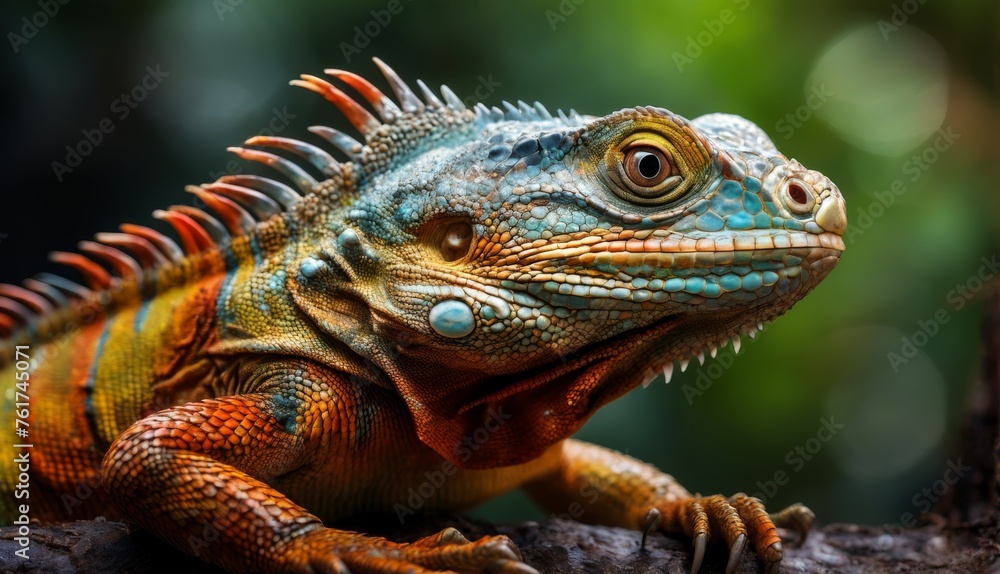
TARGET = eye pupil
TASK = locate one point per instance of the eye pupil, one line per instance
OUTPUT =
(645, 171)
(456, 241)
(648, 164)
(646, 168)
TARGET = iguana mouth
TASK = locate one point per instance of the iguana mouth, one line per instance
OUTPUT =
(648, 345)
(661, 252)
(577, 384)
(569, 366)
(672, 242)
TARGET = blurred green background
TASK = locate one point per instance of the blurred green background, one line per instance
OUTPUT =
(897, 102)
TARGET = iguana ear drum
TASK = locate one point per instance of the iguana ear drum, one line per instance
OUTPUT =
(452, 318)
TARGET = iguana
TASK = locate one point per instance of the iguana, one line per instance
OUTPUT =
(458, 296)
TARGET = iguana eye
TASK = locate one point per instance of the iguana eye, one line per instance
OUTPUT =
(647, 172)
(646, 166)
(456, 240)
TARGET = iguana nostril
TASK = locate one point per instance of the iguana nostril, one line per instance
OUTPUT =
(452, 319)
(798, 197)
(798, 194)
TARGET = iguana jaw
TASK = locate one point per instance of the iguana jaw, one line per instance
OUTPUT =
(446, 409)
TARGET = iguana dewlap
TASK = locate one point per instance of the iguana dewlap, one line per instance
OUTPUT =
(458, 296)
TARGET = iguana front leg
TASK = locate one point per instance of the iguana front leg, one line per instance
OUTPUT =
(197, 475)
(607, 487)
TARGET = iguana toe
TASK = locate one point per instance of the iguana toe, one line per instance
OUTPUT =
(734, 521)
(334, 551)
(796, 517)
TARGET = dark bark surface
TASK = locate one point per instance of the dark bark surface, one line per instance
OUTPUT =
(963, 537)
(554, 546)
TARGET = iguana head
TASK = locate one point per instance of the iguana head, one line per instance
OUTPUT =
(536, 266)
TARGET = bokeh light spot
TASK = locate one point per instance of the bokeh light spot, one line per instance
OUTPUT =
(891, 419)
(889, 92)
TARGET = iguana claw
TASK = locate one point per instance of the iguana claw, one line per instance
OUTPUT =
(735, 553)
(508, 567)
(700, 542)
(734, 520)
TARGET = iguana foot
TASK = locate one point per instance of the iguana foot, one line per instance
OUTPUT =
(734, 520)
(796, 517)
(327, 550)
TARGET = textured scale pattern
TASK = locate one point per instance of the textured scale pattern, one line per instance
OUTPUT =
(458, 295)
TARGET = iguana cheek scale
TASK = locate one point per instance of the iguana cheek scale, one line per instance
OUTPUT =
(465, 289)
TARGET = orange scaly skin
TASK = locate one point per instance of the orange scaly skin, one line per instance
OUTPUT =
(455, 301)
